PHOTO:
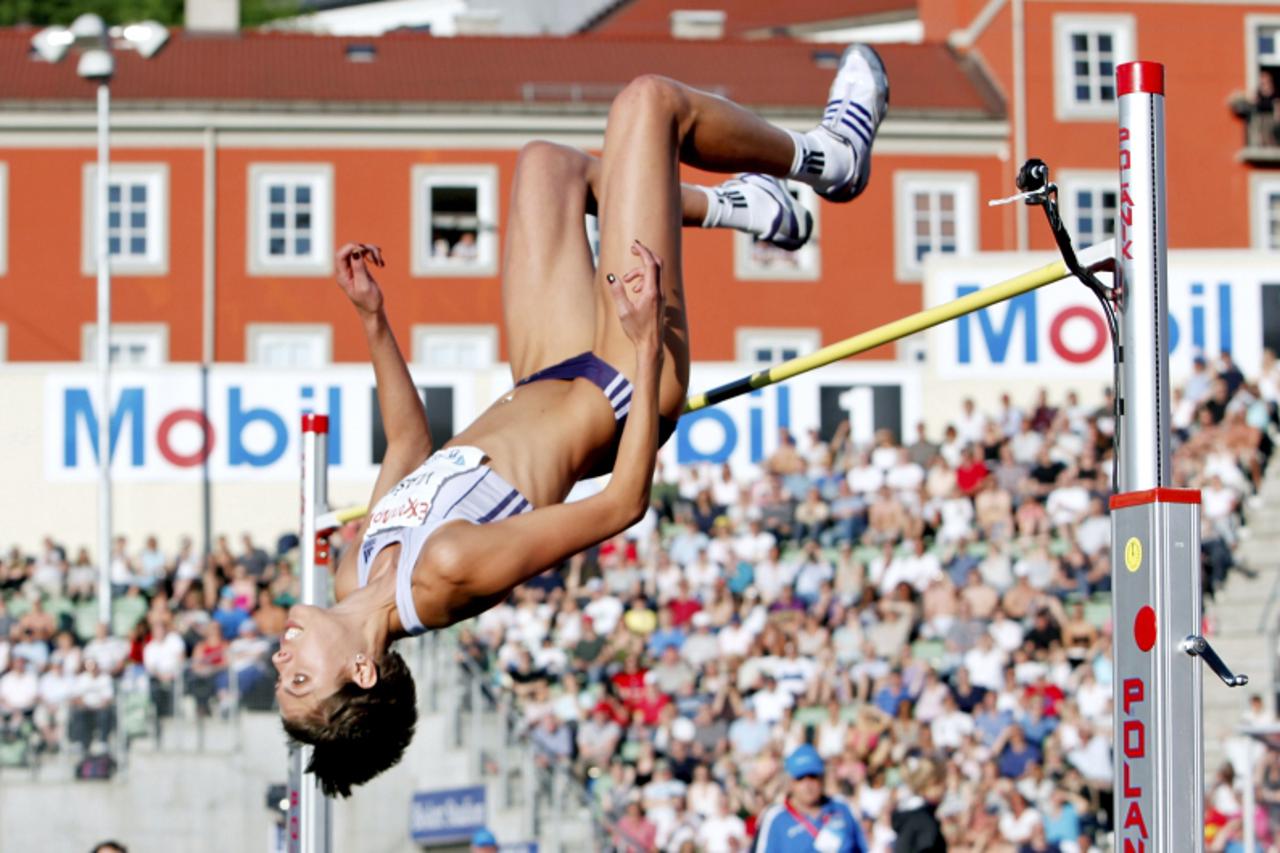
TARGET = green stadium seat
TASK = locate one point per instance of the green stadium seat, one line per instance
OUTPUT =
(929, 651)
(125, 613)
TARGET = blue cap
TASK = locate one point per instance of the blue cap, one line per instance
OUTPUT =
(804, 761)
(483, 838)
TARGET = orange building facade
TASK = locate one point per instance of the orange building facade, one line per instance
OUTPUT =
(240, 164)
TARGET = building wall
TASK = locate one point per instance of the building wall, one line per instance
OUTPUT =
(1203, 47)
(53, 297)
(46, 296)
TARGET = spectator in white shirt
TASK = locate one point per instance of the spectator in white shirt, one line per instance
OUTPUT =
(1093, 533)
(722, 832)
(1018, 824)
(1068, 502)
(19, 690)
(952, 727)
(885, 454)
(110, 652)
(864, 478)
(604, 609)
(904, 475)
(985, 663)
(755, 544)
(163, 657)
(971, 424)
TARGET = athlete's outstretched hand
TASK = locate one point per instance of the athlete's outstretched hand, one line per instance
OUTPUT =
(356, 280)
(638, 298)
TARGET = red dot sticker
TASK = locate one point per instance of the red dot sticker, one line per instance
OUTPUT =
(1144, 628)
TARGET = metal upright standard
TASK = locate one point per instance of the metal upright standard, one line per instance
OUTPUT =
(310, 819)
(1155, 529)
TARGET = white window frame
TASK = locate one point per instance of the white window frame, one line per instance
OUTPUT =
(424, 334)
(1071, 181)
(156, 178)
(257, 336)
(319, 261)
(1261, 184)
(964, 185)
(485, 179)
(1253, 61)
(4, 342)
(154, 335)
(1123, 32)
(4, 220)
(748, 338)
(808, 258)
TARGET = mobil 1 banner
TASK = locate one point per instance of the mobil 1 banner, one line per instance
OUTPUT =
(1219, 301)
(746, 430)
(235, 423)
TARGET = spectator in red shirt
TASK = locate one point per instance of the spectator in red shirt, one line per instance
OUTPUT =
(683, 606)
(649, 704)
(629, 683)
(1051, 693)
(971, 471)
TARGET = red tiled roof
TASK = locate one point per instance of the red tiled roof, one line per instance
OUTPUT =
(653, 17)
(414, 68)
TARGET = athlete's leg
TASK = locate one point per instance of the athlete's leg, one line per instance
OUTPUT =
(548, 291)
(547, 273)
(653, 124)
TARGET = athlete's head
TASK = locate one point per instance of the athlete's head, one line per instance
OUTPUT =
(353, 702)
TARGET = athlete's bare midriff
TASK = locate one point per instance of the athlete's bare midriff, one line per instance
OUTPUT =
(542, 437)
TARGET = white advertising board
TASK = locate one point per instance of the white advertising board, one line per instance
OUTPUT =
(1058, 332)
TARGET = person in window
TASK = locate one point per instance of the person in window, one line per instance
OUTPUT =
(1262, 112)
(465, 249)
(600, 355)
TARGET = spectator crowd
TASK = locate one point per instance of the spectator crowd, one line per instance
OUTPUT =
(180, 627)
(940, 602)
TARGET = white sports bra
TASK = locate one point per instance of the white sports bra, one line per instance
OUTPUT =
(452, 484)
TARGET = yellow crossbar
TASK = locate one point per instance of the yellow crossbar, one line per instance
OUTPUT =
(881, 335)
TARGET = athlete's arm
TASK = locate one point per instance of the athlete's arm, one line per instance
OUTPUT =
(480, 564)
(403, 418)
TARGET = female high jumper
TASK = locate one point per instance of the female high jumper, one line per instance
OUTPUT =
(600, 356)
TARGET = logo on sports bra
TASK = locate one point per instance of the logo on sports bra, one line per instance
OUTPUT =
(410, 501)
(406, 513)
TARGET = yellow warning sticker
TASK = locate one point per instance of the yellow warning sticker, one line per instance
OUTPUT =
(1133, 554)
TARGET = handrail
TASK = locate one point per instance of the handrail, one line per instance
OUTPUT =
(602, 825)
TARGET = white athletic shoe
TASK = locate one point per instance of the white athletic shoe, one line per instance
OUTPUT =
(784, 221)
(858, 101)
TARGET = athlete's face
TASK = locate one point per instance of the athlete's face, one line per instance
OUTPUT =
(316, 655)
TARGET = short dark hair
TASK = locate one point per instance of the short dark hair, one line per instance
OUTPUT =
(109, 847)
(359, 733)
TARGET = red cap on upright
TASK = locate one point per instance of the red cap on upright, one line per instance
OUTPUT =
(315, 423)
(1140, 77)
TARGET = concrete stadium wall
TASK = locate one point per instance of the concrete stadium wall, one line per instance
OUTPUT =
(185, 802)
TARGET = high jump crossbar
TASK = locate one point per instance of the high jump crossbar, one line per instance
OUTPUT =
(1095, 258)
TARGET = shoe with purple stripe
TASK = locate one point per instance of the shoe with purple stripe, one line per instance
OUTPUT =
(857, 103)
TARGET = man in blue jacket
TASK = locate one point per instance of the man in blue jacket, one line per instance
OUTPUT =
(806, 820)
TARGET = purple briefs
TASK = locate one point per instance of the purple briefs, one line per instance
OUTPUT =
(616, 389)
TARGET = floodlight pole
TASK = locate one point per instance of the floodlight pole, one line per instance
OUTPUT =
(104, 354)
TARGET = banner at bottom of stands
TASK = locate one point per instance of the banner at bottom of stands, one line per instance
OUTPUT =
(237, 423)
